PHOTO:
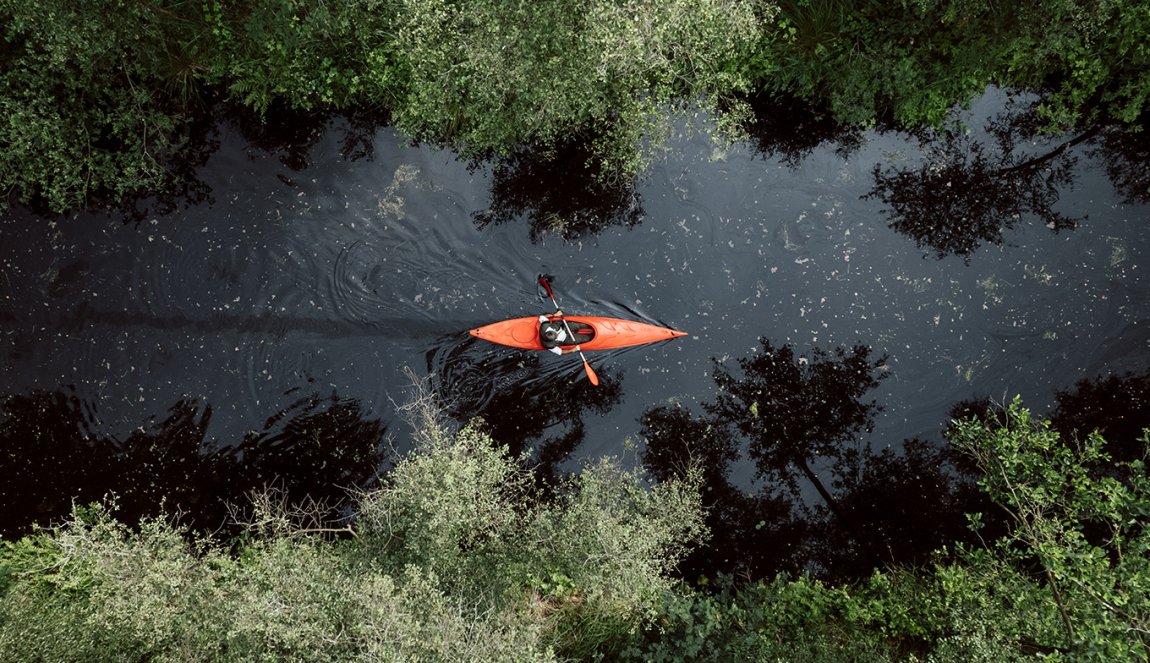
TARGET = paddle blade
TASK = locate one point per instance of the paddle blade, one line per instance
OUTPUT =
(591, 373)
(545, 281)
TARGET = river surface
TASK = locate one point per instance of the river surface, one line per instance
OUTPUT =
(332, 276)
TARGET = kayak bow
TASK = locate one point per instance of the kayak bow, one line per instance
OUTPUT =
(609, 332)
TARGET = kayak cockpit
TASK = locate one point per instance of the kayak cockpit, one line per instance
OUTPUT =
(583, 333)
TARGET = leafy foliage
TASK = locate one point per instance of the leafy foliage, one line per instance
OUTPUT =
(491, 75)
(906, 63)
(450, 558)
(456, 557)
(1091, 59)
(1086, 533)
(1067, 581)
(909, 63)
(944, 614)
(98, 97)
(305, 54)
(86, 98)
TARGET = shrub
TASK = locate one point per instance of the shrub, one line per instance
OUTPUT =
(451, 558)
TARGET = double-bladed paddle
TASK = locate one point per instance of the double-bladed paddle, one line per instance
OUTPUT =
(586, 364)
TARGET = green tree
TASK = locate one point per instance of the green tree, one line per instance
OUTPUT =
(1084, 531)
(92, 97)
(306, 54)
(1068, 580)
(453, 557)
(489, 75)
(98, 96)
(907, 63)
(1090, 60)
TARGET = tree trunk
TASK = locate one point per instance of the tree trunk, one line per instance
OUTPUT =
(818, 484)
(1035, 162)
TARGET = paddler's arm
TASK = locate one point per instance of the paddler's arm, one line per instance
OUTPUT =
(564, 349)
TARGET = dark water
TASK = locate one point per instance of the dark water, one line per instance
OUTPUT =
(328, 280)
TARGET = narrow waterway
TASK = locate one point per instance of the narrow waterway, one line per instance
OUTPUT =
(330, 279)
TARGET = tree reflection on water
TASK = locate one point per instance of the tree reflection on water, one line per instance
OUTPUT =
(799, 418)
(794, 415)
(288, 134)
(751, 534)
(967, 192)
(560, 193)
(894, 508)
(1117, 406)
(54, 455)
(793, 409)
(525, 404)
(790, 129)
(1127, 157)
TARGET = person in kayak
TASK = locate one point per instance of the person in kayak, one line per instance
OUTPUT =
(555, 336)
(552, 333)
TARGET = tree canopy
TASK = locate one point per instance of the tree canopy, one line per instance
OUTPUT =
(100, 98)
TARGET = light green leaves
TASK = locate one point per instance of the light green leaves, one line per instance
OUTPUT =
(488, 76)
(1083, 521)
(454, 556)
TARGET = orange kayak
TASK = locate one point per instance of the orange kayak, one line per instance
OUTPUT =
(606, 333)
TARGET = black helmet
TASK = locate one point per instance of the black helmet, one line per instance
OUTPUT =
(550, 334)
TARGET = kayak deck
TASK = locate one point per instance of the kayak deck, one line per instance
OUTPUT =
(609, 332)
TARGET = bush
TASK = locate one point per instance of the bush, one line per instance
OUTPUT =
(451, 558)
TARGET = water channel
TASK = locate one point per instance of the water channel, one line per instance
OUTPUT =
(325, 277)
